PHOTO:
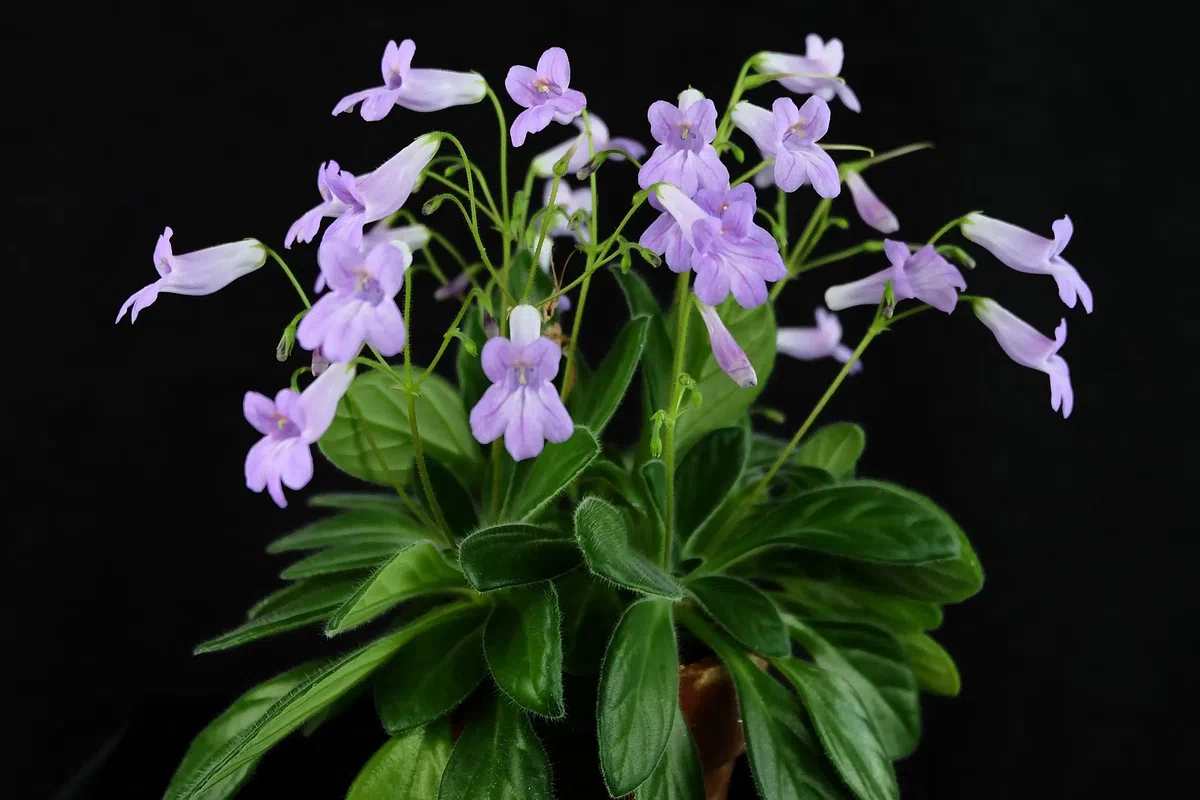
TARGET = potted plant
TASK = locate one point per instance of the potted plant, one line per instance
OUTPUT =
(510, 539)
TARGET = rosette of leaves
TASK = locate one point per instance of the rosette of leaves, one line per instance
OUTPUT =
(816, 591)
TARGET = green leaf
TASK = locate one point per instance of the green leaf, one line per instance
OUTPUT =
(616, 483)
(707, 474)
(845, 727)
(457, 504)
(432, 674)
(522, 265)
(654, 476)
(516, 554)
(498, 757)
(472, 383)
(874, 664)
(319, 688)
(786, 759)
(745, 612)
(523, 647)
(408, 766)
(223, 730)
(352, 527)
(863, 520)
(421, 569)
(386, 502)
(281, 598)
(656, 356)
(347, 558)
(537, 481)
(764, 451)
(838, 601)
(604, 538)
(638, 695)
(316, 603)
(590, 611)
(678, 775)
(934, 668)
(796, 478)
(445, 434)
(834, 448)
(638, 296)
(594, 408)
(334, 709)
(724, 401)
(950, 581)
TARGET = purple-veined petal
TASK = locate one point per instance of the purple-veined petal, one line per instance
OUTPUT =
(790, 170)
(821, 172)
(384, 327)
(710, 172)
(524, 437)
(758, 123)
(897, 252)
(519, 83)
(727, 352)
(934, 279)
(555, 65)
(258, 410)
(556, 422)
(320, 399)
(338, 261)
(703, 116)
(1028, 347)
(870, 208)
(664, 119)
(866, 291)
(1015, 246)
(490, 416)
(543, 355)
(498, 353)
(667, 166)
(388, 261)
(348, 227)
(569, 106)
(531, 120)
(297, 467)
(348, 102)
(140, 299)
(206, 271)
(814, 116)
(377, 104)
(1070, 284)
(712, 283)
(685, 211)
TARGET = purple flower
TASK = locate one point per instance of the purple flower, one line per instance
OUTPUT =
(196, 273)
(820, 58)
(685, 155)
(809, 344)
(414, 89)
(521, 403)
(1026, 346)
(543, 165)
(355, 201)
(665, 237)
(319, 362)
(571, 201)
(790, 135)
(457, 287)
(731, 253)
(289, 424)
(361, 308)
(414, 236)
(544, 94)
(924, 275)
(869, 206)
(729, 355)
(1025, 251)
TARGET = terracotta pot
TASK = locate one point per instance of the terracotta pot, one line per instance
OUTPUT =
(709, 705)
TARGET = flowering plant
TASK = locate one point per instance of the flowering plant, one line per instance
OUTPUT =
(512, 545)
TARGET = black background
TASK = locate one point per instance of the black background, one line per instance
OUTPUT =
(131, 535)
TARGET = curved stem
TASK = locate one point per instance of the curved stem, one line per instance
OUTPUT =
(537, 251)
(808, 239)
(479, 244)
(455, 187)
(593, 247)
(446, 338)
(684, 311)
(291, 277)
(474, 218)
(503, 152)
(946, 228)
(781, 217)
(735, 95)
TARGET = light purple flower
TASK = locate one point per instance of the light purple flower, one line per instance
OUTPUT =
(731, 253)
(197, 273)
(790, 135)
(521, 404)
(869, 206)
(319, 362)
(456, 287)
(544, 94)
(728, 353)
(361, 306)
(414, 236)
(665, 237)
(823, 341)
(1025, 251)
(355, 201)
(924, 275)
(1026, 346)
(289, 424)
(414, 89)
(571, 201)
(820, 58)
(543, 165)
(685, 155)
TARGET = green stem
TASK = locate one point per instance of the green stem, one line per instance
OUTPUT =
(859, 166)
(479, 243)
(495, 479)
(946, 228)
(474, 219)
(446, 339)
(841, 255)
(537, 251)
(809, 233)
(859, 147)
(750, 173)
(912, 311)
(781, 217)
(876, 328)
(417, 511)
(503, 152)
(291, 277)
(491, 214)
(684, 311)
(734, 96)
(593, 248)
(418, 452)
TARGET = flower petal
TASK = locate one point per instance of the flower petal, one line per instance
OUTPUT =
(555, 65)
(490, 416)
